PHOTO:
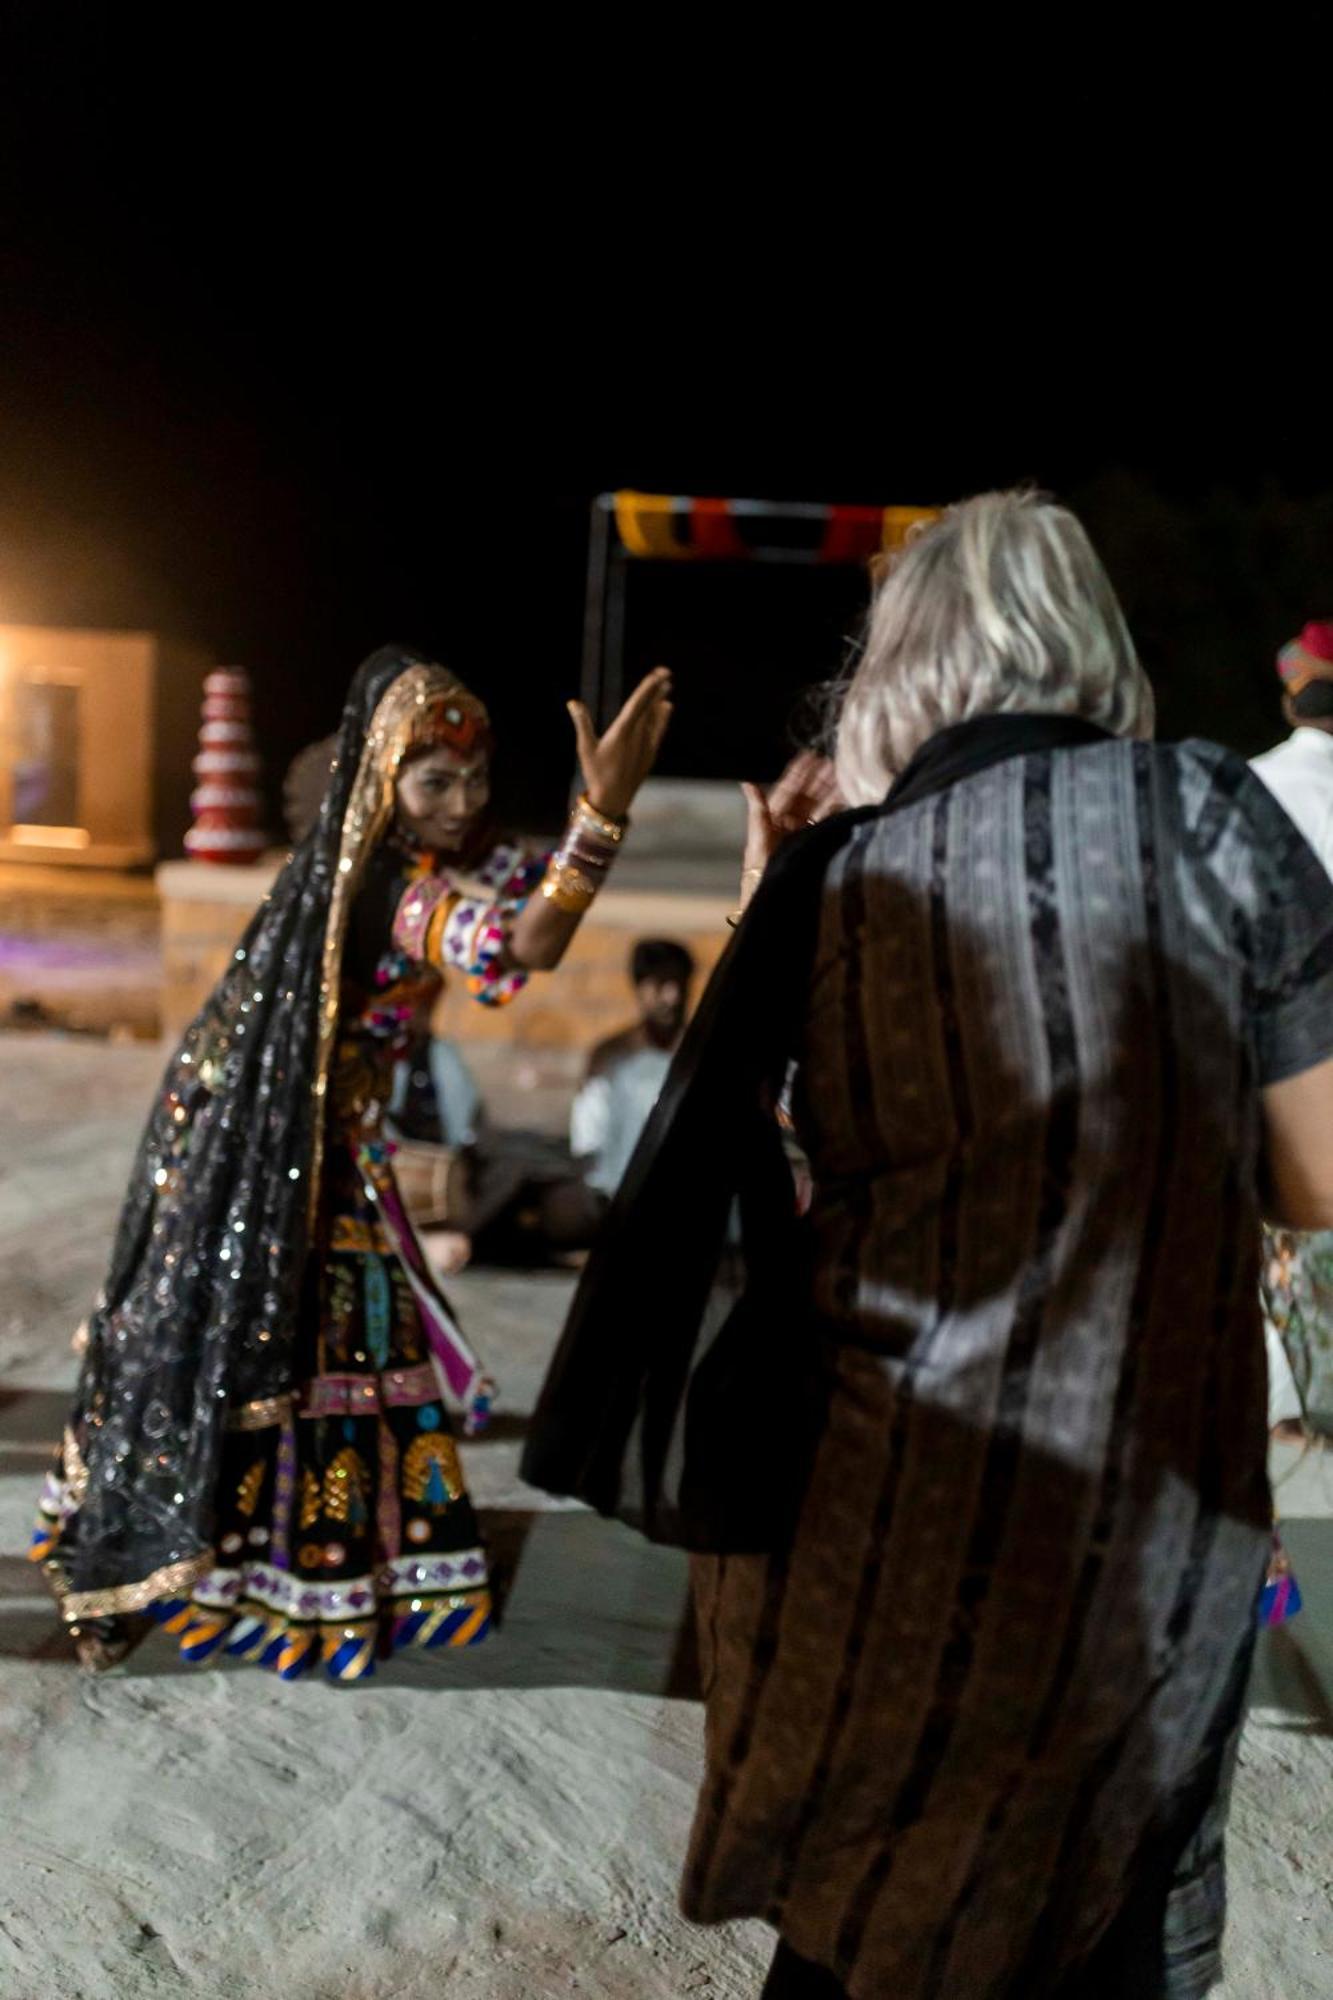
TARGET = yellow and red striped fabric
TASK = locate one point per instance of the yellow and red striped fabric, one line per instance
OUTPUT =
(677, 527)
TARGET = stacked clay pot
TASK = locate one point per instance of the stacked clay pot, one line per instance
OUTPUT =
(226, 803)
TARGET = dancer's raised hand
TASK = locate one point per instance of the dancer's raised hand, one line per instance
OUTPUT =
(615, 765)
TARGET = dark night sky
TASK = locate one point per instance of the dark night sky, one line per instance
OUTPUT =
(315, 341)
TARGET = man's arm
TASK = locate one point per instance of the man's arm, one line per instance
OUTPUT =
(1298, 1131)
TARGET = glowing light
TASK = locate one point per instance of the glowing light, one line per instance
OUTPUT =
(51, 836)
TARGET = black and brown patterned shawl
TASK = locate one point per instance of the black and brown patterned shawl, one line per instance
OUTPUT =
(679, 1401)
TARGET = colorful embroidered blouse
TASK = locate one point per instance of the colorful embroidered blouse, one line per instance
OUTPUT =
(461, 922)
(414, 922)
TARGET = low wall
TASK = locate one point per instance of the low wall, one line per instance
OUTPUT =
(205, 908)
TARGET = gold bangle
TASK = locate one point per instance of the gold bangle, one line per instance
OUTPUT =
(568, 888)
(572, 903)
(610, 829)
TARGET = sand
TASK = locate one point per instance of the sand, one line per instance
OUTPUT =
(504, 1824)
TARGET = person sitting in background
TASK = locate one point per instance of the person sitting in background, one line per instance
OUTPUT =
(436, 1117)
(304, 786)
(626, 1071)
(531, 1200)
(435, 1096)
(1298, 1266)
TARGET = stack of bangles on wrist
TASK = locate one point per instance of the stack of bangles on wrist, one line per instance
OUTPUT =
(579, 866)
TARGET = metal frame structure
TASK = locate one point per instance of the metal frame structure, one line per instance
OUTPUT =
(630, 527)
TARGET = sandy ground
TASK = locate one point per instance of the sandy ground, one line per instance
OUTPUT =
(506, 1824)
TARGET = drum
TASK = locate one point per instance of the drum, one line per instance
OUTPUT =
(435, 1183)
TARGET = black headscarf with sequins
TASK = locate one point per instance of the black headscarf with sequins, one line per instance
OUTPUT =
(196, 1324)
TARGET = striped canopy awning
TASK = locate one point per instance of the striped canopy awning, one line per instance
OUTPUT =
(675, 527)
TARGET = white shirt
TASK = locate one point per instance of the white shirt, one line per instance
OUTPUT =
(1299, 774)
(611, 1111)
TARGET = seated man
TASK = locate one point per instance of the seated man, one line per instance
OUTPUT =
(626, 1072)
(531, 1201)
(520, 1198)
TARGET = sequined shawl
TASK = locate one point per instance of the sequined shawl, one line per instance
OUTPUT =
(195, 1327)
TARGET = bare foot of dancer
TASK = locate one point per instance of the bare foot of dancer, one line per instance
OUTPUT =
(102, 1643)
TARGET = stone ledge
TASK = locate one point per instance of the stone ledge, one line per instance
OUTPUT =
(218, 881)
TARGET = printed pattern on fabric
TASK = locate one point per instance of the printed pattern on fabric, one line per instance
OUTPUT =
(470, 934)
(461, 922)
(346, 1532)
(1009, 1643)
(1297, 1291)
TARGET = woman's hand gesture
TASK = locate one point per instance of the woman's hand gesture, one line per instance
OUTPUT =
(616, 764)
(806, 792)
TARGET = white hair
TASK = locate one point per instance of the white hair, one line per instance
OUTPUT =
(1002, 605)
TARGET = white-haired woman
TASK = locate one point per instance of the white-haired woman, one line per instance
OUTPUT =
(1059, 998)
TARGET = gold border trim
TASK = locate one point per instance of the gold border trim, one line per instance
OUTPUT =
(168, 1582)
(74, 1470)
(261, 1415)
(369, 810)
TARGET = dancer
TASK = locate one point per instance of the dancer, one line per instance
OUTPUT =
(975, 1465)
(258, 1450)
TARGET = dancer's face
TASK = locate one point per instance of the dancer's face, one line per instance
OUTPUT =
(441, 796)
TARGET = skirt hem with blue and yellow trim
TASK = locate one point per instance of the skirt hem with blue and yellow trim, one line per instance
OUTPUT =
(291, 1627)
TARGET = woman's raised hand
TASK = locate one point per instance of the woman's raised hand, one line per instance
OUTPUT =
(616, 764)
(806, 792)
